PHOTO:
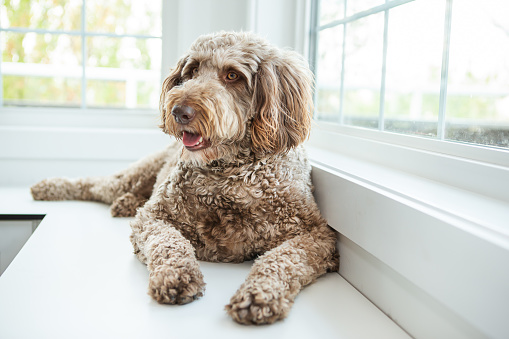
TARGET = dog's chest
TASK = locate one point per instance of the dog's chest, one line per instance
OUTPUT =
(232, 215)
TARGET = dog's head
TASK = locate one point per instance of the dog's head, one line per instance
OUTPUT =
(233, 91)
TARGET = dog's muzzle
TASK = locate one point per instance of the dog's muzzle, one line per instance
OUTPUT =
(183, 114)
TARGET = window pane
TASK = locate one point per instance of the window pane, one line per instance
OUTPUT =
(147, 94)
(330, 47)
(363, 71)
(53, 49)
(127, 53)
(331, 10)
(124, 65)
(124, 16)
(41, 91)
(356, 6)
(478, 88)
(42, 14)
(414, 57)
(122, 94)
(41, 69)
(106, 94)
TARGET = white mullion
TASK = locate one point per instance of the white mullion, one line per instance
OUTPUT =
(1, 77)
(166, 33)
(360, 15)
(342, 86)
(77, 33)
(113, 35)
(381, 113)
(313, 46)
(38, 31)
(444, 72)
(83, 58)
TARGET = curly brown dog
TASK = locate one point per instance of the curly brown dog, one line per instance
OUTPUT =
(235, 186)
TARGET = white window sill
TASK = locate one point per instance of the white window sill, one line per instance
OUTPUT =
(77, 271)
(451, 244)
(35, 153)
(79, 118)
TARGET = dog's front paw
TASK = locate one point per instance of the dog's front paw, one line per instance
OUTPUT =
(126, 205)
(259, 303)
(176, 285)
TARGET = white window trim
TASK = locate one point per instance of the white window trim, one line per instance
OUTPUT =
(423, 222)
(436, 219)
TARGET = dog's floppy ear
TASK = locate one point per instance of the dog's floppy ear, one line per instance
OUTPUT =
(172, 80)
(283, 104)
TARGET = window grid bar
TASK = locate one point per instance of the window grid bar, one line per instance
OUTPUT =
(342, 86)
(83, 58)
(314, 43)
(1, 76)
(381, 113)
(360, 15)
(444, 72)
(77, 33)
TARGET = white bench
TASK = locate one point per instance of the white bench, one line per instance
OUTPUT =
(77, 277)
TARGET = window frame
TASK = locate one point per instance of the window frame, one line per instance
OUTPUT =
(413, 211)
(481, 154)
(316, 28)
(83, 108)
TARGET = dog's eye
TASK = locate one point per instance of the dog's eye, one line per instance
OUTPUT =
(194, 71)
(232, 76)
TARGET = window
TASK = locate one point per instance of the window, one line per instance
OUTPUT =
(80, 53)
(410, 155)
(431, 68)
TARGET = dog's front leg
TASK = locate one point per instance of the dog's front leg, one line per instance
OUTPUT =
(277, 277)
(175, 276)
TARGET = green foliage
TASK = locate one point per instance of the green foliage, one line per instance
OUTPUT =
(105, 93)
(42, 91)
(43, 14)
(472, 107)
(362, 102)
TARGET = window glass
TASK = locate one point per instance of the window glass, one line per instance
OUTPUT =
(328, 74)
(42, 65)
(119, 68)
(413, 68)
(125, 53)
(331, 10)
(363, 71)
(41, 14)
(478, 84)
(41, 91)
(41, 69)
(444, 75)
(356, 6)
(48, 49)
(124, 17)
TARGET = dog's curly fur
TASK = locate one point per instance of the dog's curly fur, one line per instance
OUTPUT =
(243, 191)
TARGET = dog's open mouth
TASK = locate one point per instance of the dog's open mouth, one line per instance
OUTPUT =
(194, 142)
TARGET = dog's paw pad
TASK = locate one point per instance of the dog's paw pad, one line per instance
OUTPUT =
(257, 305)
(176, 285)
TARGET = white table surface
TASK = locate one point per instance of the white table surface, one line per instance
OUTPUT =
(77, 277)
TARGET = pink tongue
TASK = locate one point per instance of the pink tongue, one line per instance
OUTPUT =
(190, 139)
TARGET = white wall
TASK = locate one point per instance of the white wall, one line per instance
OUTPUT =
(184, 21)
(282, 22)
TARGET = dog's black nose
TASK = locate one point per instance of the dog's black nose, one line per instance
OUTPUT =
(183, 114)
